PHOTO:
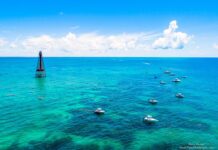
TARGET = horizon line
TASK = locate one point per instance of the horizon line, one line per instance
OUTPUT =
(110, 56)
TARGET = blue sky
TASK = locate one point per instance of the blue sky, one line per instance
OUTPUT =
(109, 28)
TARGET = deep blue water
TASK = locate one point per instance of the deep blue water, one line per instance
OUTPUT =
(57, 112)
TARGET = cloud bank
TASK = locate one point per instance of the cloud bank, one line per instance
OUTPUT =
(95, 44)
(80, 44)
(88, 41)
(3, 42)
(171, 38)
(215, 46)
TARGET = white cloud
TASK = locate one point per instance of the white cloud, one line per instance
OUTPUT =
(88, 43)
(13, 45)
(215, 46)
(3, 42)
(171, 38)
(40, 42)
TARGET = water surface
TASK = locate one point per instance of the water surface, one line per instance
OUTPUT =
(57, 112)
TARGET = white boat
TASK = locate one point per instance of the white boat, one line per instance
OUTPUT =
(172, 74)
(162, 82)
(176, 80)
(99, 111)
(150, 119)
(153, 101)
(167, 72)
(180, 95)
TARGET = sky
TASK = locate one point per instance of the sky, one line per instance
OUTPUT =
(114, 28)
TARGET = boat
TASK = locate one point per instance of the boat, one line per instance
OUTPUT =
(162, 82)
(150, 119)
(180, 95)
(184, 77)
(172, 74)
(99, 111)
(167, 72)
(153, 101)
(176, 80)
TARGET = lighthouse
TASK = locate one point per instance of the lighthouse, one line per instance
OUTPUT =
(40, 70)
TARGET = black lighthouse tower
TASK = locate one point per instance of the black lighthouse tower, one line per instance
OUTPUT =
(40, 70)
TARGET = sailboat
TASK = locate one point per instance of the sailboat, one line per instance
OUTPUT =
(40, 70)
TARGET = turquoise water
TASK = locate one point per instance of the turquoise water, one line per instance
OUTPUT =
(57, 112)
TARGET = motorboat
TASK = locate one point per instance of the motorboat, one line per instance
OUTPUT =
(180, 95)
(162, 82)
(176, 80)
(153, 101)
(172, 74)
(167, 72)
(150, 119)
(99, 111)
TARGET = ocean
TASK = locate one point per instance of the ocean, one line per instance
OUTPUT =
(56, 112)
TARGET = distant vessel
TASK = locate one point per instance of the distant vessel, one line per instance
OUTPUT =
(153, 101)
(40, 70)
(167, 72)
(176, 80)
(162, 82)
(99, 111)
(172, 74)
(150, 119)
(184, 76)
(180, 95)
